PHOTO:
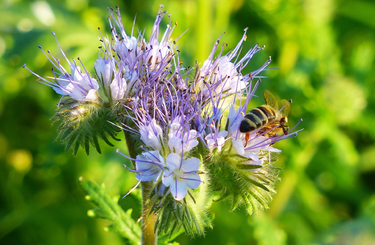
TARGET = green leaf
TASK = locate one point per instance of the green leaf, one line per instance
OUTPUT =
(108, 208)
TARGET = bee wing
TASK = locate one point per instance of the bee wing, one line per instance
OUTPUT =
(270, 99)
(284, 105)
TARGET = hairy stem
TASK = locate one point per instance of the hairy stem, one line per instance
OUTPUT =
(130, 143)
(148, 220)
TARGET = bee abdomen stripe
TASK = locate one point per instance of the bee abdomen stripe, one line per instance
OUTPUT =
(254, 118)
(247, 126)
(270, 114)
(257, 112)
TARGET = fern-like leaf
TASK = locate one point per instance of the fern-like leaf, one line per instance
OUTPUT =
(108, 208)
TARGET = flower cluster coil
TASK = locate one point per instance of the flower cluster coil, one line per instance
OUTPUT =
(185, 119)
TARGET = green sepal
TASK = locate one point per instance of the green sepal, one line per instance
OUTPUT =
(235, 178)
(175, 216)
(108, 208)
(190, 215)
(82, 124)
(248, 166)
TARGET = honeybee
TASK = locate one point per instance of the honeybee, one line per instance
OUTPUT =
(268, 119)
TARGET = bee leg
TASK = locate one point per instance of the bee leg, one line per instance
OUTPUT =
(285, 130)
(283, 126)
(247, 138)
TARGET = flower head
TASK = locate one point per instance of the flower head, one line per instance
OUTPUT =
(181, 122)
(181, 175)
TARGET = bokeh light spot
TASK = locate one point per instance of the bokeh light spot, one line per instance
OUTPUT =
(21, 160)
(25, 25)
(360, 103)
(43, 12)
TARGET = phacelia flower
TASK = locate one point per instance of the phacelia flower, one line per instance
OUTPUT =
(78, 85)
(216, 140)
(181, 175)
(181, 139)
(151, 135)
(149, 166)
(104, 69)
(128, 48)
(177, 120)
(252, 148)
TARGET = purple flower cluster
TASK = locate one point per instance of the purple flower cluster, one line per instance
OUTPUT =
(177, 111)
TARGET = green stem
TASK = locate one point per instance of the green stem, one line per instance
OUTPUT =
(148, 220)
(130, 143)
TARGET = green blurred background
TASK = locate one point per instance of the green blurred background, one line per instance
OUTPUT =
(325, 51)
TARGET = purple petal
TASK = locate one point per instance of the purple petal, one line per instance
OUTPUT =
(173, 161)
(178, 189)
(191, 164)
(167, 178)
(192, 180)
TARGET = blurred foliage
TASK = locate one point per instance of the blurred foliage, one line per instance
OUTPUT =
(325, 52)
